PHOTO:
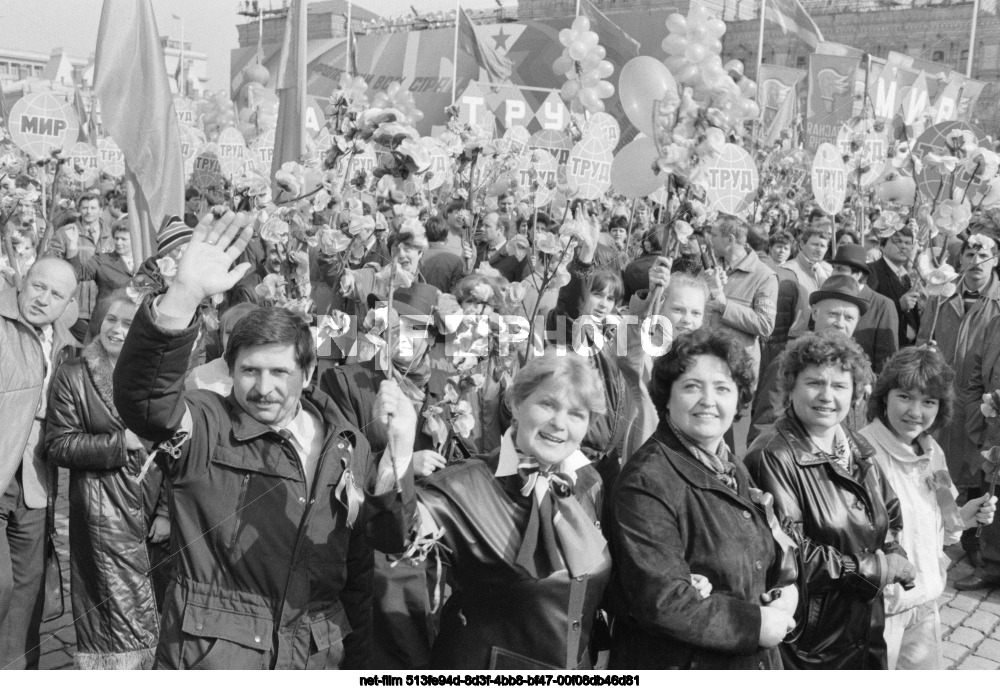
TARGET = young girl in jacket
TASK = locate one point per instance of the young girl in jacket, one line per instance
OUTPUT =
(913, 398)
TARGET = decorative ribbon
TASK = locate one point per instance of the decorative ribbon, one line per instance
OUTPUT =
(568, 537)
(789, 567)
(940, 483)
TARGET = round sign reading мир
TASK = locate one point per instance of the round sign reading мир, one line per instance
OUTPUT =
(41, 122)
(931, 181)
(829, 179)
(589, 168)
(731, 180)
(82, 162)
(112, 160)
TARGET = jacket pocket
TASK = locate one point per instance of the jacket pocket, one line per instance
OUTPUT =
(814, 616)
(217, 639)
(327, 648)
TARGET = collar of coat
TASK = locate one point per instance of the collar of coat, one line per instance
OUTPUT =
(61, 337)
(246, 428)
(99, 369)
(791, 428)
(691, 468)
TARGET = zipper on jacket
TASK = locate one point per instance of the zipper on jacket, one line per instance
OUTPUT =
(239, 511)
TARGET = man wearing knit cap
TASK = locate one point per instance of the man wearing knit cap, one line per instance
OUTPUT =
(174, 234)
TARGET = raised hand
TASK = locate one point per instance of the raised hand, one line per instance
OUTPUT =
(204, 270)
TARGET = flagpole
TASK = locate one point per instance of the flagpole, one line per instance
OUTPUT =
(760, 40)
(350, 35)
(454, 61)
(972, 38)
(577, 8)
(182, 86)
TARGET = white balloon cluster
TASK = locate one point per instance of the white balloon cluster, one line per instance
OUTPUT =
(585, 68)
(694, 45)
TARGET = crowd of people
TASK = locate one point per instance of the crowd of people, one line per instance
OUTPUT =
(294, 454)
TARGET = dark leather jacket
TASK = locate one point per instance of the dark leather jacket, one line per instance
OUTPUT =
(672, 519)
(269, 574)
(837, 518)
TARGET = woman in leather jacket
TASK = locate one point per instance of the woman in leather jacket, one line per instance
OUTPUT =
(684, 507)
(112, 506)
(829, 491)
(518, 529)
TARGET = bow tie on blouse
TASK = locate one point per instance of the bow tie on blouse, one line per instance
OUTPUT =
(559, 535)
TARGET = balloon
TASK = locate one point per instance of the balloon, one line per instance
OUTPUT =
(605, 69)
(589, 80)
(697, 32)
(392, 90)
(675, 63)
(417, 114)
(674, 44)
(695, 52)
(589, 98)
(643, 80)
(751, 110)
(590, 63)
(713, 46)
(632, 169)
(570, 90)
(605, 89)
(562, 65)
(578, 50)
(677, 24)
(734, 66)
(566, 37)
(748, 88)
(380, 100)
(256, 73)
(581, 24)
(697, 14)
(247, 130)
(689, 74)
(716, 28)
(590, 38)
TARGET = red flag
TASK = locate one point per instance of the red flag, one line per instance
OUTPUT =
(792, 17)
(777, 97)
(81, 113)
(290, 133)
(137, 110)
(497, 67)
(612, 37)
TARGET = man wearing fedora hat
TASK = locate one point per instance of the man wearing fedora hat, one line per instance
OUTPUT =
(878, 328)
(837, 305)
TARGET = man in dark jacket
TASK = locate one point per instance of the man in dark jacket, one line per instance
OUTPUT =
(877, 331)
(32, 343)
(272, 489)
(110, 271)
(889, 276)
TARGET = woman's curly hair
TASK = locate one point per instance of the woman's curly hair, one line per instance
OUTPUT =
(828, 349)
(705, 341)
(920, 368)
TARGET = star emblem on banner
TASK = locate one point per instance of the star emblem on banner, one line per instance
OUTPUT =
(501, 40)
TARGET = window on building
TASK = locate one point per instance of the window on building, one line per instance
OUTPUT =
(963, 61)
(38, 70)
(800, 62)
(4, 67)
(938, 56)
